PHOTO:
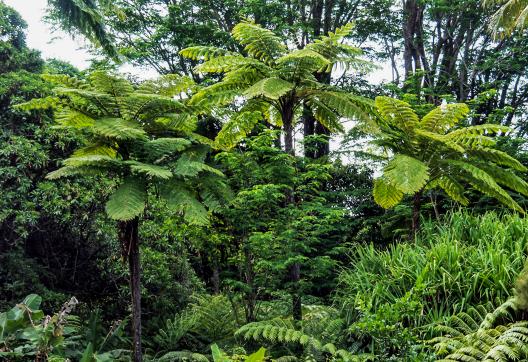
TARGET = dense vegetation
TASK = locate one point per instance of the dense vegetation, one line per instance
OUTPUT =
(264, 199)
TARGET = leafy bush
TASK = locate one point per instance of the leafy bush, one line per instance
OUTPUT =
(463, 261)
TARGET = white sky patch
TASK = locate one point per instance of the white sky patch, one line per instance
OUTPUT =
(40, 36)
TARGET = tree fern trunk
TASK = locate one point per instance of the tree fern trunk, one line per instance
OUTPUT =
(287, 123)
(128, 235)
(417, 204)
(295, 274)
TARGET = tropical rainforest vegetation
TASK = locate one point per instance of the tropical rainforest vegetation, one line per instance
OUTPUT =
(266, 197)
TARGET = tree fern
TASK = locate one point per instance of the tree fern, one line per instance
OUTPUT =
(143, 141)
(267, 72)
(437, 151)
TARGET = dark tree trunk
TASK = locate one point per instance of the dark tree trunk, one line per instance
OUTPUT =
(287, 123)
(128, 236)
(417, 204)
(249, 274)
(323, 147)
(309, 130)
(295, 276)
(215, 279)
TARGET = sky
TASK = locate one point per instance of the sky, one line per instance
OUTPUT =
(40, 36)
(58, 44)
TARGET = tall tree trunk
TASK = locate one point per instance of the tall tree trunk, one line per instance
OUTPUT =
(249, 274)
(309, 130)
(128, 236)
(287, 123)
(295, 277)
(417, 204)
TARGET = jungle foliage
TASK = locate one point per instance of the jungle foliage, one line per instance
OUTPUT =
(266, 198)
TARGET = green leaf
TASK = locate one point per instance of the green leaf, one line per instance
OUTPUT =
(148, 169)
(218, 354)
(272, 88)
(32, 301)
(237, 128)
(257, 356)
(180, 199)
(444, 117)
(385, 194)
(88, 353)
(128, 201)
(118, 128)
(406, 173)
(453, 189)
(396, 112)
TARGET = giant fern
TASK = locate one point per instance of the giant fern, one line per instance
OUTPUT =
(271, 80)
(143, 139)
(439, 152)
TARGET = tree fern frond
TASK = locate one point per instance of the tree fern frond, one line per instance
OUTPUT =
(385, 194)
(97, 150)
(485, 183)
(453, 189)
(438, 138)
(118, 128)
(184, 201)
(406, 173)
(128, 201)
(45, 103)
(506, 178)
(203, 52)
(260, 43)
(165, 145)
(237, 128)
(148, 169)
(66, 81)
(272, 88)
(110, 84)
(442, 118)
(397, 112)
(228, 63)
(73, 118)
(498, 157)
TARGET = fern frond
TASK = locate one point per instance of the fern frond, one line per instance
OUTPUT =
(453, 189)
(228, 63)
(118, 128)
(128, 201)
(181, 199)
(442, 118)
(272, 88)
(258, 42)
(498, 157)
(66, 117)
(406, 173)
(150, 170)
(485, 183)
(385, 194)
(203, 52)
(35, 104)
(396, 112)
(237, 128)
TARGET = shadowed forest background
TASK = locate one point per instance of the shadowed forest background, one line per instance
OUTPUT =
(266, 197)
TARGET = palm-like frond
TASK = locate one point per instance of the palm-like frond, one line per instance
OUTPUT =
(437, 152)
(268, 73)
(141, 139)
(83, 16)
(479, 335)
(512, 14)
